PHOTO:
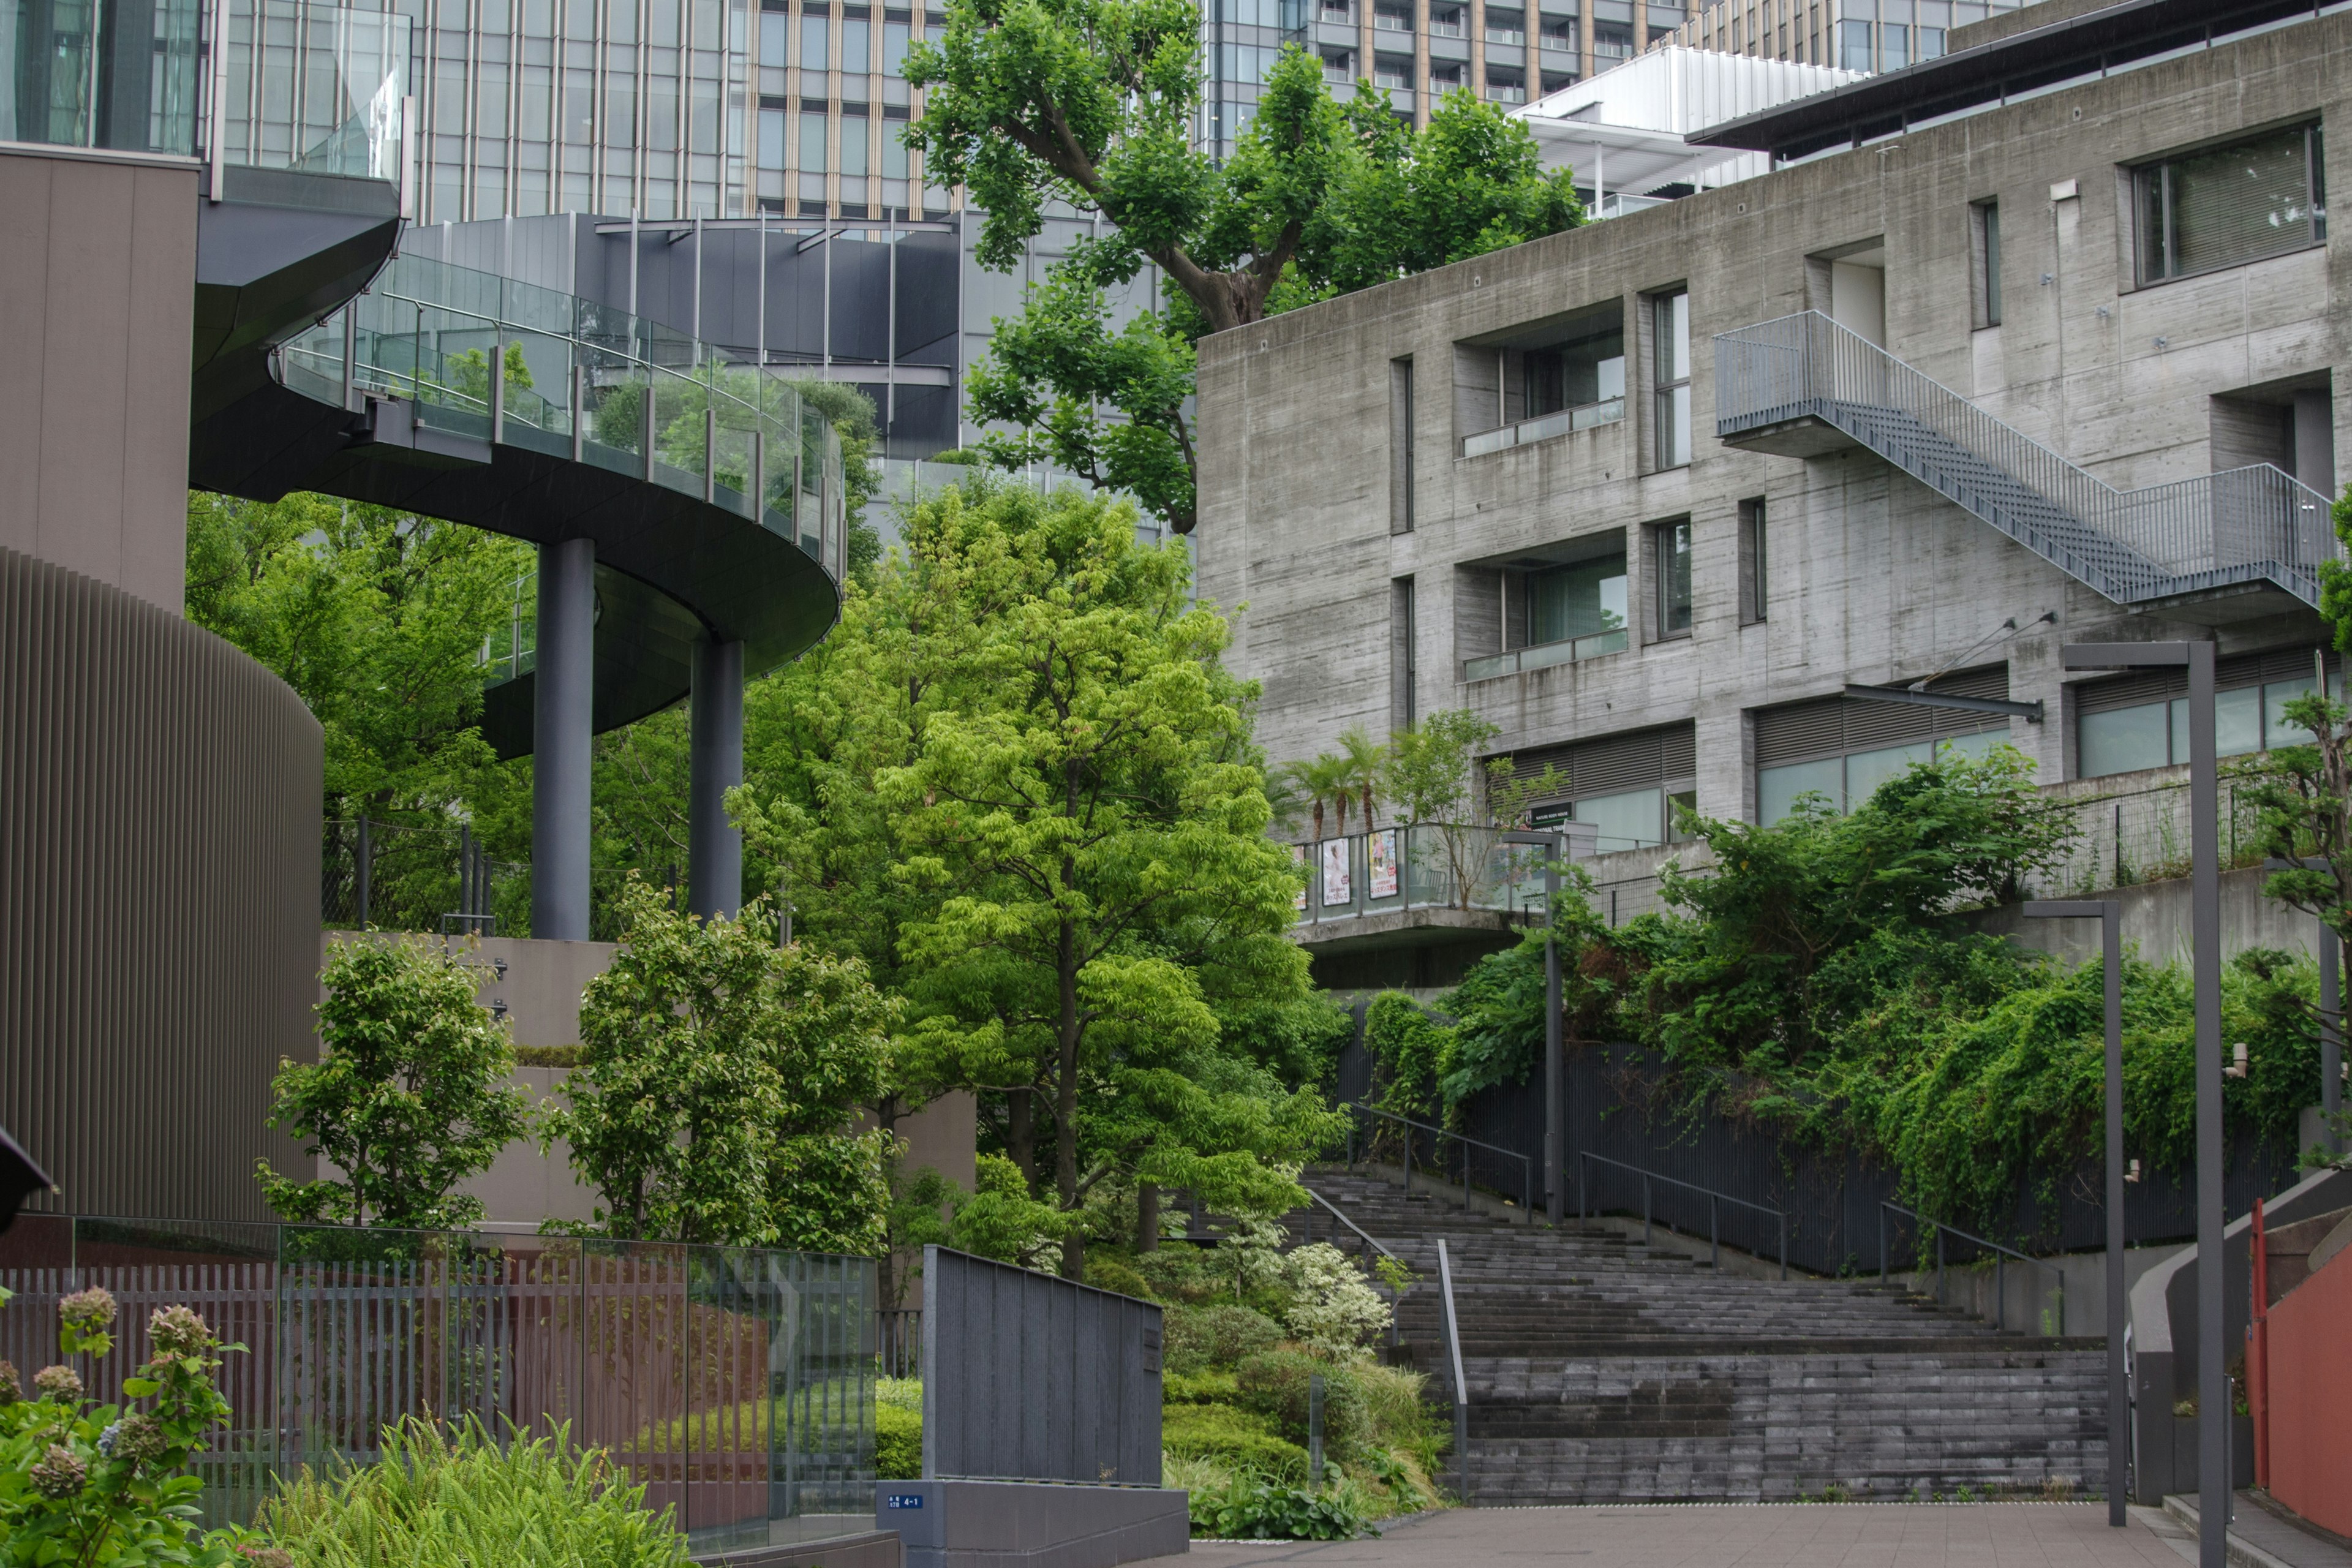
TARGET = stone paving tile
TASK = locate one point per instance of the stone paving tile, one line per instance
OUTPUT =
(1974, 1536)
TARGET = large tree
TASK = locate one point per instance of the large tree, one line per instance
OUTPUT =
(1020, 779)
(1093, 104)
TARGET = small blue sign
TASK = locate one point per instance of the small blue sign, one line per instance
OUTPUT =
(903, 1499)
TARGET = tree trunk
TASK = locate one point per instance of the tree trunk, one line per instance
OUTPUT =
(1021, 1134)
(1147, 1219)
(1065, 1095)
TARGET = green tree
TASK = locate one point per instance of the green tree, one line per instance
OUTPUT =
(719, 1074)
(411, 1095)
(378, 620)
(1093, 103)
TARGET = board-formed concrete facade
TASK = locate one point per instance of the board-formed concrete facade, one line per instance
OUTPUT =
(1307, 530)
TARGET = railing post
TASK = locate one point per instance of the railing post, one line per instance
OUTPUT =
(362, 868)
(498, 385)
(578, 406)
(1784, 1244)
(1882, 1244)
(1465, 1175)
(756, 480)
(646, 434)
(1646, 1208)
(1714, 1233)
(1581, 1161)
(2000, 1293)
(1939, 1262)
(351, 349)
(710, 449)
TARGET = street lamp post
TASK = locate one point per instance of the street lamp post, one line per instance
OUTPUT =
(2109, 912)
(1555, 843)
(2205, 966)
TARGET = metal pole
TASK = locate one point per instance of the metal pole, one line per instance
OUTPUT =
(1315, 1429)
(2111, 949)
(361, 871)
(2331, 1040)
(1714, 1233)
(579, 406)
(498, 385)
(2213, 1377)
(1882, 1244)
(1646, 1208)
(1555, 1058)
(1784, 1246)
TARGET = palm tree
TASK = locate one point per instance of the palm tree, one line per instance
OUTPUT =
(1362, 761)
(1320, 779)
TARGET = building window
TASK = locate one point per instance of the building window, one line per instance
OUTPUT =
(1506, 27)
(1402, 669)
(1894, 46)
(2230, 205)
(1670, 571)
(1853, 46)
(1401, 446)
(1445, 77)
(2115, 735)
(1389, 18)
(1628, 786)
(1670, 327)
(1753, 599)
(1338, 67)
(1843, 748)
(1584, 599)
(1984, 234)
(1389, 71)
(1446, 21)
(1558, 32)
(1612, 41)
(1504, 86)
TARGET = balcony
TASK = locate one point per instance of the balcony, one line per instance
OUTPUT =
(1424, 866)
(1542, 655)
(1505, 94)
(1544, 427)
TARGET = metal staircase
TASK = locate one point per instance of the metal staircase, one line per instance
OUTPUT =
(2242, 528)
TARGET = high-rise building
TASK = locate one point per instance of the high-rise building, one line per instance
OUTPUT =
(1850, 34)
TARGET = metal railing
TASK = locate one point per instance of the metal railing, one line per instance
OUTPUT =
(1713, 1202)
(1461, 1387)
(1527, 1164)
(471, 351)
(1543, 427)
(2000, 1255)
(1420, 866)
(898, 1341)
(1540, 656)
(386, 876)
(2131, 545)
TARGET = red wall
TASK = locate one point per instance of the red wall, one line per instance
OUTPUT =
(2311, 1397)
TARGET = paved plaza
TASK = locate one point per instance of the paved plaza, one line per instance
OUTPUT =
(1768, 1535)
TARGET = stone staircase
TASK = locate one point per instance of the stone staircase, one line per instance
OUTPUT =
(1604, 1370)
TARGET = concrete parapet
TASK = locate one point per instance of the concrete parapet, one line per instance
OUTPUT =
(1033, 1524)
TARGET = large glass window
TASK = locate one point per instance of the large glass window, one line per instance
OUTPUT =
(2230, 205)
(812, 143)
(2246, 719)
(1584, 370)
(1671, 327)
(1853, 46)
(1849, 780)
(1985, 231)
(1670, 568)
(1577, 600)
(852, 146)
(815, 39)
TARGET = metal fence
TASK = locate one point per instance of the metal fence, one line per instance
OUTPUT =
(393, 876)
(1418, 867)
(1028, 1377)
(735, 1383)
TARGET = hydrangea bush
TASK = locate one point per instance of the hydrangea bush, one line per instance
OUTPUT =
(1333, 1309)
(101, 1486)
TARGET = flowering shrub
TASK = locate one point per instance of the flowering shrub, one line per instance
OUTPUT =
(1332, 1308)
(95, 1484)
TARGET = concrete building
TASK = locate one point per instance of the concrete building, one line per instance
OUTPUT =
(1917, 406)
(1850, 34)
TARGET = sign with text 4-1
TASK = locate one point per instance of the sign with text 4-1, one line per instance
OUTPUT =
(903, 1499)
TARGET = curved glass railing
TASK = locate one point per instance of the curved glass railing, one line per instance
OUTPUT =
(580, 380)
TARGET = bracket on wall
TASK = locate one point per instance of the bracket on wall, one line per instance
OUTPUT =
(2028, 712)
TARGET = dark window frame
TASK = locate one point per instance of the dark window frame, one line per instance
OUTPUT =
(2152, 190)
(1662, 581)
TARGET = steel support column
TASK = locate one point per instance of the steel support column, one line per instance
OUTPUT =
(561, 722)
(715, 759)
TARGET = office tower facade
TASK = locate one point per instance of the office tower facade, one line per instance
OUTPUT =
(1871, 36)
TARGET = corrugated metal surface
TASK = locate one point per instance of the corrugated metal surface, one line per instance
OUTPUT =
(159, 875)
(1614, 762)
(2228, 675)
(1832, 726)
(1028, 1377)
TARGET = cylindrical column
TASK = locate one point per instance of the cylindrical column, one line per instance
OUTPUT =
(715, 762)
(561, 718)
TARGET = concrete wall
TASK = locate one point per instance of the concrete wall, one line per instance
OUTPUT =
(1872, 578)
(2155, 920)
(98, 262)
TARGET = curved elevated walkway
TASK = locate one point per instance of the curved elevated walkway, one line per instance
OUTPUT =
(602, 426)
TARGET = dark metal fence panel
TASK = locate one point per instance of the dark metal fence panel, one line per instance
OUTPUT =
(1028, 1377)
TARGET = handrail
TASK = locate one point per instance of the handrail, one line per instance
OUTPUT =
(1461, 1388)
(1999, 1269)
(1713, 1198)
(1527, 1166)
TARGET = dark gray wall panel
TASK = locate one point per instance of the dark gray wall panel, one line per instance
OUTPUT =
(1028, 1377)
(159, 877)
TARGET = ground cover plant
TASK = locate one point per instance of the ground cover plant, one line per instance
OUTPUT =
(1824, 977)
(445, 1498)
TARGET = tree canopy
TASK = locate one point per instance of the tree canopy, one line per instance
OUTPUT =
(1092, 104)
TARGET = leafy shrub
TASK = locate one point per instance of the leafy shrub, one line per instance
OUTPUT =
(906, 1393)
(1235, 1439)
(1183, 1274)
(442, 1499)
(898, 1443)
(1273, 1383)
(1198, 1388)
(1250, 1509)
(1111, 1274)
(1331, 1306)
(1196, 1338)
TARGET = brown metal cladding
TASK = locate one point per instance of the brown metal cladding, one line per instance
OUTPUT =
(159, 898)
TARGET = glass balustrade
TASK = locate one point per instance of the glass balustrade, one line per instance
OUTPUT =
(1417, 867)
(1567, 650)
(1585, 416)
(492, 359)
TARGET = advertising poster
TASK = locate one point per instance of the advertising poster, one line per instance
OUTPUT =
(1381, 848)
(1336, 887)
(1298, 858)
